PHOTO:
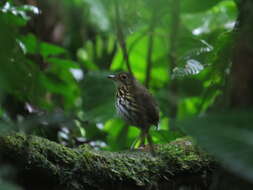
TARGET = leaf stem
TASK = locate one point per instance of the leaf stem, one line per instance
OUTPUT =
(120, 36)
(175, 24)
(150, 49)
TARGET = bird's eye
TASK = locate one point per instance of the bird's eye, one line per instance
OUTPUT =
(124, 77)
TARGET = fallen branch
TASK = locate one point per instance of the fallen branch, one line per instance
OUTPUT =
(177, 163)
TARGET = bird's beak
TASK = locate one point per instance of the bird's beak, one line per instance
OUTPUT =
(113, 77)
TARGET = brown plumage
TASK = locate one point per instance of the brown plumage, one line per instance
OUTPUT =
(135, 105)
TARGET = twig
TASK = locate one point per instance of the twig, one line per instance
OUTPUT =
(133, 43)
(121, 38)
(150, 49)
(149, 60)
(175, 23)
(174, 32)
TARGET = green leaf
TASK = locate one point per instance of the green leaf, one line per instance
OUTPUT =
(228, 136)
(48, 49)
(34, 46)
(120, 136)
(30, 43)
(98, 14)
(19, 11)
(30, 8)
(192, 6)
(62, 64)
(92, 132)
(164, 136)
(192, 67)
(188, 107)
(86, 59)
(98, 94)
(137, 45)
(63, 84)
(219, 17)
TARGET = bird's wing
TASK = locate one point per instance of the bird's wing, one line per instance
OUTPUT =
(148, 104)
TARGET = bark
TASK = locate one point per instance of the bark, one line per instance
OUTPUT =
(43, 164)
(242, 68)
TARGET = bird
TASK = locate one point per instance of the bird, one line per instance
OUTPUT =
(135, 104)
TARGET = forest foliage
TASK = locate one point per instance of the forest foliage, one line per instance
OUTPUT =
(55, 58)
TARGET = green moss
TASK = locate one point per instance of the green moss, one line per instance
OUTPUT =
(87, 167)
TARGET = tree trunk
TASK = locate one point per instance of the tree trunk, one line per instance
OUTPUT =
(242, 68)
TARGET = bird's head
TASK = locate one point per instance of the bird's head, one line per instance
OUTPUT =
(123, 78)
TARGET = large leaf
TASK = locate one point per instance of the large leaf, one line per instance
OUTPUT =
(98, 96)
(35, 46)
(197, 5)
(220, 16)
(192, 67)
(228, 136)
(138, 51)
(18, 14)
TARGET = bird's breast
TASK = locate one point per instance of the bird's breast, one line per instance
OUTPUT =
(122, 109)
(126, 105)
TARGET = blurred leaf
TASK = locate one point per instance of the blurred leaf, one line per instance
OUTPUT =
(30, 43)
(19, 11)
(61, 78)
(164, 136)
(59, 64)
(8, 186)
(192, 67)
(30, 8)
(98, 53)
(120, 136)
(220, 16)
(13, 20)
(34, 46)
(98, 93)
(187, 89)
(228, 136)
(67, 89)
(98, 14)
(197, 5)
(216, 77)
(138, 44)
(188, 107)
(113, 127)
(47, 49)
(93, 132)
(6, 127)
(7, 38)
(84, 56)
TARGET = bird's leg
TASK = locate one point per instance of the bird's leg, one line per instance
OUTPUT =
(151, 144)
(142, 137)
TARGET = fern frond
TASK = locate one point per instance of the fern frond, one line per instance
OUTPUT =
(192, 67)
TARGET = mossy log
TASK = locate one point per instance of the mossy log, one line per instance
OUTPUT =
(43, 164)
